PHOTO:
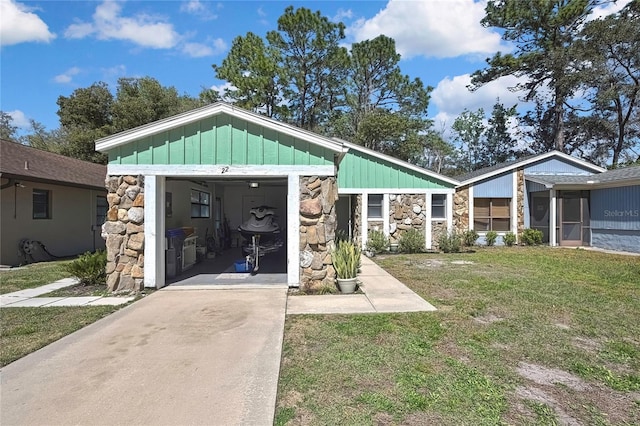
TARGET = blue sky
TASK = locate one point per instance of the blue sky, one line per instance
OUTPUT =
(51, 48)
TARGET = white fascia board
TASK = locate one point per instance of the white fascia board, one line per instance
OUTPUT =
(347, 191)
(593, 167)
(218, 170)
(402, 163)
(110, 142)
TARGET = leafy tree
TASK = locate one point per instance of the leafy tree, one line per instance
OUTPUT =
(39, 137)
(469, 129)
(437, 153)
(7, 129)
(86, 115)
(144, 100)
(543, 33)
(253, 68)
(314, 62)
(609, 53)
(499, 145)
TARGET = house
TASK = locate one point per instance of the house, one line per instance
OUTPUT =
(50, 204)
(204, 169)
(573, 202)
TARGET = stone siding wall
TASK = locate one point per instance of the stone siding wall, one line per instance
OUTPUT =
(124, 233)
(461, 209)
(520, 200)
(357, 219)
(406, 211)
(438, 227)
(318, 196)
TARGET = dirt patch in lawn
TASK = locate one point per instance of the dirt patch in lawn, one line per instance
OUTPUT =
(560, 390)
(487, 319)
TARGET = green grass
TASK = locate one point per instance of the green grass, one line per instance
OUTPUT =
(576, 311)
(25, 330)
(31, 276)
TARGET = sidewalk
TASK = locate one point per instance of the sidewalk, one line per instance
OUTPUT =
(382, 293)
(29, 298)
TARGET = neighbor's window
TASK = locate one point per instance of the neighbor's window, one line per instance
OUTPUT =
(438, 206)
(101, 210)
(492, 214)
(199, 204)
(41, 204)
(375, 206)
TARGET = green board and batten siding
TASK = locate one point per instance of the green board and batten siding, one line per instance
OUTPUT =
(360, 170)
(224, 140)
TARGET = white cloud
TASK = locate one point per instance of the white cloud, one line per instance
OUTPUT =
(199, 50)
(67, 76)
(199, 9)
(20, 120)
(432, 28)
(18, 24)
(342, 14)
(451, 95)
(607, 9)
(143, 30)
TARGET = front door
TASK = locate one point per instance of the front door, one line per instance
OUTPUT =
(573, 207)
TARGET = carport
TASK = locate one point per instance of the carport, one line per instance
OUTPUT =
(219, 159)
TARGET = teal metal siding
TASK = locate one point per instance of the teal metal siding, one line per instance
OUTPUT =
(221, 139)
(359, 170)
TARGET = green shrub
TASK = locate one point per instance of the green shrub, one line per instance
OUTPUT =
(491, 237)
(346, 259)
(90, 268)
(377, 242)
(532, 237)
(411, 241)
(470, 237)
(509, 239)
(450, 242)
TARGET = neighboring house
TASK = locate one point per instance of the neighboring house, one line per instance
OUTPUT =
(48, 198)
(573, 202)
(205, 169)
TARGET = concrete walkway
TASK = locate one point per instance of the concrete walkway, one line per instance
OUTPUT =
(29, 298)
(382, 293)
(183, 355)
(198, 357)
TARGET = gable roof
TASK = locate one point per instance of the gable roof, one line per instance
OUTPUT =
(623, 176)
(24, 162)
(401, 163)
(122, 138)
(497, 169)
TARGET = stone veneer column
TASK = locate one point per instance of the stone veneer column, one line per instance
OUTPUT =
(520, 199)
(406, 211)
(318, 196)
(124, 233)
(461, 209)
(357, 220)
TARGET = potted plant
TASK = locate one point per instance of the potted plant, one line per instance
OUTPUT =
(346, 259)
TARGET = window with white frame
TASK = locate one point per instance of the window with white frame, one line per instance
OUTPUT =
(439, 206)
(375, 206)
(492, 214)
(200, 204)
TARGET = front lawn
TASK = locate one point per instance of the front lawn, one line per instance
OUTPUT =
(521, 336)
(31, 276)
(25, 330)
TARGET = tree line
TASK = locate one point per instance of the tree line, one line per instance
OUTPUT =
(582, 76)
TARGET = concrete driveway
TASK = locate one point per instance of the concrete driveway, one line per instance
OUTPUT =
(208, 357)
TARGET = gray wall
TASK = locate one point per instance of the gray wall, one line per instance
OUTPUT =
(615, 218)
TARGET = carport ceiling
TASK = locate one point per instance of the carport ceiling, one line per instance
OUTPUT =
(235, 181)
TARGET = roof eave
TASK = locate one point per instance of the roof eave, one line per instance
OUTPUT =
(526, 162)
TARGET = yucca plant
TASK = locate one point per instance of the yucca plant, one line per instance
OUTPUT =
(346, 259)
